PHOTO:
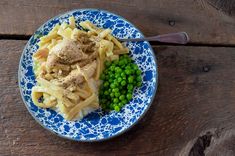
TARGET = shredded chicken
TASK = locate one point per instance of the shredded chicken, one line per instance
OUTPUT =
(69, 52)
(53, 62)
(75, 77)
(83, 38)
(89, 47)
(90, 58)
(65, 53)
(64, 58)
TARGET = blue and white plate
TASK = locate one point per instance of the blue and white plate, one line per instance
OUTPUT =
(97, 125)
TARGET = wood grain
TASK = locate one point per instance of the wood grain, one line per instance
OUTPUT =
(226, 6)
(205, 22)
(195, 97)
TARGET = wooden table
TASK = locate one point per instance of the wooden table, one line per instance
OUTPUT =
(194, 109)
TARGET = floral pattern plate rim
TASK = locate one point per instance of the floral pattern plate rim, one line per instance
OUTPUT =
(97, 126)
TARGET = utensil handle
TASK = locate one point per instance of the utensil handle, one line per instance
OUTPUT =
(178, 38)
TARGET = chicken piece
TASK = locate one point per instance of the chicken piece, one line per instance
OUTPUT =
(82, 63)
(90, 69)
(53, 63)
(69, 52)
(52, 60)
(91, 58)
(83, 38)
(75, 77)
(89, 47)
(64, 54)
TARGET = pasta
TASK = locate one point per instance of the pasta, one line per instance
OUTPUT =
(68, 65)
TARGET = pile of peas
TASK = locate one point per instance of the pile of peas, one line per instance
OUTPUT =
(119, 79)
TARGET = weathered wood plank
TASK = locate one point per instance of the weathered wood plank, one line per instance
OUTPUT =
(195, 96)
(205, 22)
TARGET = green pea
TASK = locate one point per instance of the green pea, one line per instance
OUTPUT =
(129, 96)
(117, 75)
(128, 67)
(130, 91)
(106, 84)
(112, 85)
(128, 71)
(112, 95)
(130, 87)
(128, 60)
(139, 84)
(120, 104)
(115, 62)
(118, 69)
(119, 79)
(106, 92)
(115, 83)
(125, 62)
(121, 63)
(105, 71)
(112, 68)
(117, 94)
(122, 97)
(112, 76)
(111, 106)
(138, 72)
(116, 108)
(125, 101)
(130, 79)
(123, 83)
(115, 100)
(125, 56)
(107, 64)
(123, 75)
(115, 90)
(139, 78)
(135, 67)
